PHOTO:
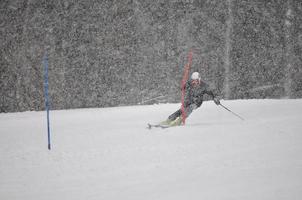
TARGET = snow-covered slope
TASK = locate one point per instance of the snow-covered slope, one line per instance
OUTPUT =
(109, 154)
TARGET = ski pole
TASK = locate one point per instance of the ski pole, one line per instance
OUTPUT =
(159, 97)
(231, 111)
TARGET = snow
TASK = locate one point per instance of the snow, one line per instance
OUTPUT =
(108, 153)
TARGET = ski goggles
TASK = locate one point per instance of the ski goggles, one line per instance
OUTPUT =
(195, 82)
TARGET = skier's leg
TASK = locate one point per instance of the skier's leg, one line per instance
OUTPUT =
(175, 115)
(171, 118)
(189, 109)
(178, 113)
(178, 120)
(175, 119)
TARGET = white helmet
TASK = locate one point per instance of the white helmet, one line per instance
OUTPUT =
(195, 76)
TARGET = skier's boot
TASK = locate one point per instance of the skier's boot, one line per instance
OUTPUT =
(176, 122)
(166, 122)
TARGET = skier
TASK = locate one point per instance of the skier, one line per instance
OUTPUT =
(195, 89)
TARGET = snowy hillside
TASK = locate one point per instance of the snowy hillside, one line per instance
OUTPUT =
(109, 154)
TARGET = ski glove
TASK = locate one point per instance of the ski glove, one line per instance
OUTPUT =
(216, 100)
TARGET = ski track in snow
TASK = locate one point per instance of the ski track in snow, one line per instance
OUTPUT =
(108, 153)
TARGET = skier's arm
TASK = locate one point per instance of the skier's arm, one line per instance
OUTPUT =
(210, 93)
(214, 97)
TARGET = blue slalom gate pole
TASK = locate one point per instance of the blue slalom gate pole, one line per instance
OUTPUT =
(45, 62)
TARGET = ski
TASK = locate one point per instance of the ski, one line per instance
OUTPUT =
(150, 126)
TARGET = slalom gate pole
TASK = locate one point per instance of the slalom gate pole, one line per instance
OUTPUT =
(45, 63)
(231, 111)
(183, 86)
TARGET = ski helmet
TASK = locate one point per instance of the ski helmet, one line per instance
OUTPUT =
(195, 76)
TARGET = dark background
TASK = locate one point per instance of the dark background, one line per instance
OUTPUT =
(128, 52)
